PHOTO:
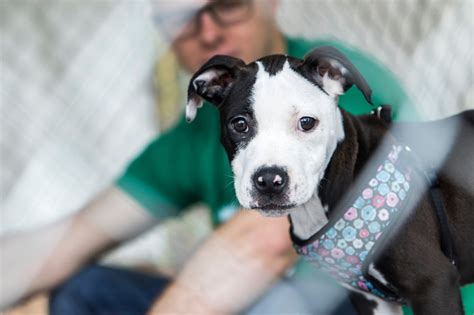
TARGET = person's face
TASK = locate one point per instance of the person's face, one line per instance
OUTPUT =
(248, 39)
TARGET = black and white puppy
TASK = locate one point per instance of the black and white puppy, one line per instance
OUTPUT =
(294, 152)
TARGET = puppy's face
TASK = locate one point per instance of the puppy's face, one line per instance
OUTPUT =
(279, 139)
(280, 124)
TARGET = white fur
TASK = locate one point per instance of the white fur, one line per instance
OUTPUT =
(191, 109)
(377, 275)
(192, 105)
(207, 76)
(332, 87)
(387, 308)
(382, 307)
(278, 103)
(308, 218)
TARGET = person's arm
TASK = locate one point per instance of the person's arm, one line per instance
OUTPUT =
(233, 267)
(40, 259)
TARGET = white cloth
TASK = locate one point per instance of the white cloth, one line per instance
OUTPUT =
(77, 101)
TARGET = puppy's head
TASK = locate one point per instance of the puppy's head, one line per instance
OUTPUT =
(280, 123)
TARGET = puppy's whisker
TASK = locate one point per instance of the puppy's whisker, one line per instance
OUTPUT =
(228, 184)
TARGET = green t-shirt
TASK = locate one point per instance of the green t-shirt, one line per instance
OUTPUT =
(187, 164)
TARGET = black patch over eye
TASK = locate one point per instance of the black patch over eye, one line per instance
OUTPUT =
(307, 123)
(239, 124)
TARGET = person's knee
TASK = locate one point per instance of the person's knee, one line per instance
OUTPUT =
(74, 295)
(107, 290)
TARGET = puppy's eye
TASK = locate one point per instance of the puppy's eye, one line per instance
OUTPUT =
(307, 123)
(239, 124)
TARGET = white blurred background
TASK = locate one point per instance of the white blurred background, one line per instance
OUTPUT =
(78, 102)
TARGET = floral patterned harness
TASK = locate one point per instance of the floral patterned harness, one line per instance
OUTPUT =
(344, 247)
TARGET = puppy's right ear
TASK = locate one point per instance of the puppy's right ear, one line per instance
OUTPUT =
(334, 72)
(212, 83)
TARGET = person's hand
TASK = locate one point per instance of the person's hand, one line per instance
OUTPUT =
(234, 266)
(40, 259)
(37, 304)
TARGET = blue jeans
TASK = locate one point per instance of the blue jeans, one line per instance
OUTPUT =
(99, 290)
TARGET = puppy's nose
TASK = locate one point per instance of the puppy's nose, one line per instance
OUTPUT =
(270, 180)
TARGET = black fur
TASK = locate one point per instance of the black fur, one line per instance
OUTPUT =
(273, 64)
(361, 304)
(238, 103)
(413, 260)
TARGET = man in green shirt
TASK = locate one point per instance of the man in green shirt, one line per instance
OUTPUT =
(247, 253)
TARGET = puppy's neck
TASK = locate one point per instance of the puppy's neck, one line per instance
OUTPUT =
(308, 218)
(363, 134)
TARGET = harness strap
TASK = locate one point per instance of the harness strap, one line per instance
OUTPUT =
(447, 244)
(384, 113)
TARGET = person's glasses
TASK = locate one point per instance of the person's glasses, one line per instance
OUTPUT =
(223, 12)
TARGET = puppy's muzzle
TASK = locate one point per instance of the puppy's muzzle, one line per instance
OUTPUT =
(270, 181)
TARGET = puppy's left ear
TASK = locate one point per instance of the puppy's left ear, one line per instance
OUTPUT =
(212, 83)
(333, 72)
